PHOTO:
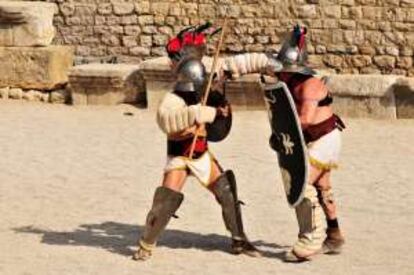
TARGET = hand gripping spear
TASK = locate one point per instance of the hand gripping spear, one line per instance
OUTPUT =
(210, 80)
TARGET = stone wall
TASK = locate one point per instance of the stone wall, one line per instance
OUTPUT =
(345, 36)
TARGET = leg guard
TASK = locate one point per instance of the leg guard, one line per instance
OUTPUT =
(311, 231)
(225, 190)
(166, 202)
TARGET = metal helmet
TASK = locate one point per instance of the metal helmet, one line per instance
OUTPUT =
(191, 75)
(293, 54)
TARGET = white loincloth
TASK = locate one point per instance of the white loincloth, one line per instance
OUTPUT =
(201, 168)
(324, 152)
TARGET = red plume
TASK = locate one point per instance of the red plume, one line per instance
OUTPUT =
(302, 39)
(174, 45)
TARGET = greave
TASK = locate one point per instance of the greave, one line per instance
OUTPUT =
(165, 204)
(225, 190)
(310, 219)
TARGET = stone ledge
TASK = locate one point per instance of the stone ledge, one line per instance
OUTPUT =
(105, 84)
(40, 68)
(30, 23)
(370, 96)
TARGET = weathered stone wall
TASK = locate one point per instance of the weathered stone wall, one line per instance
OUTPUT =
(346, 36)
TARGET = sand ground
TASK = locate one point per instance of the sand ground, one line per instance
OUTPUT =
(76, 184)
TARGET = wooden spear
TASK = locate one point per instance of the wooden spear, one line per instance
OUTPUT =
(210, 80)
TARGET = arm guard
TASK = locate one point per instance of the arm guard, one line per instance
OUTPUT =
(174, 115)
(245, 63)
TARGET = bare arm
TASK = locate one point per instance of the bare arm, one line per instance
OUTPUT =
(312, 91)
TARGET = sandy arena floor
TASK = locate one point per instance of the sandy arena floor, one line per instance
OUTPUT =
(76, 184)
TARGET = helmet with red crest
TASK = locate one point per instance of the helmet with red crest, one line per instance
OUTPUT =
(293, 55)
(191, 42)
(186, 51)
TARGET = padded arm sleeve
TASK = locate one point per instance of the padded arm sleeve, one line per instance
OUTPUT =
(245, 63)
(174, 116)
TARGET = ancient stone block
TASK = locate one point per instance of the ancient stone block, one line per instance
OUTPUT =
(26, 23)
(370, 96)
(332, 11)
(142, 7)
(104, 84)
(32, 95)
(42, 68)
(385, 61)
(104, 8)
(129, 41)
(16, 93)
(175, 10)
(4, 93)
(361, 61)
(132, 30)
(67, 9)
(129, 20)
(160, 8)
(407, 3)
(146, 20)
(140, 51)
(122, 8)
(307, 11)
(405, 62)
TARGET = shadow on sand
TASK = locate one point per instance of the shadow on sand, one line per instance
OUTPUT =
(119, 238)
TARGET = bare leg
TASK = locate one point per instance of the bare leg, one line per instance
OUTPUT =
(175, 179)
(314, 175)
(334, 240)
(324, 188)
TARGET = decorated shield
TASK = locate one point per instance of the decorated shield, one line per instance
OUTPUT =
(287, 140)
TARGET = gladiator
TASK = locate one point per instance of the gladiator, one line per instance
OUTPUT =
(321, 130)
(180, 116)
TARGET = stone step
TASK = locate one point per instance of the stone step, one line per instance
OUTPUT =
(105, 84)
(24, 23)
(39, 68)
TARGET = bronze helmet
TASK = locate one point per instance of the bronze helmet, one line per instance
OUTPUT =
(293, 55)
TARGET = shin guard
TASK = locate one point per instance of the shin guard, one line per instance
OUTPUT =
(165, 204)
(225, 190)
(310, 219)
